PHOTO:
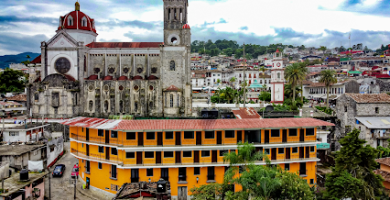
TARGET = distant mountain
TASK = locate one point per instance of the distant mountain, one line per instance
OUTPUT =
(8, 59)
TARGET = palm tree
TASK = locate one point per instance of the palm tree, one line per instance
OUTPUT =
(293, 74)
(323, 49)
(304, 70)
(263, 69)
(328, 77)
(232, 80)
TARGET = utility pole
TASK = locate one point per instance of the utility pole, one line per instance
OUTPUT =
(245, 67)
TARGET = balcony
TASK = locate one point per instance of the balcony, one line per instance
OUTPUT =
(97, 157)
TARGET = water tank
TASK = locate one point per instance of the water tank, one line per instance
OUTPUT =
(24, 175)
(161, 186)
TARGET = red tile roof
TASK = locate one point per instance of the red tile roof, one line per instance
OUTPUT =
(152, 77)
(122, 78)
(124, 45)
(69, 77)
(195, 124)
(384, 174)
(37, 60)
(20, 97)
(172, 88)
(92, 77)
(369, 98)
(107, 78)
(138, 78)
(246, 113)
(384, 161)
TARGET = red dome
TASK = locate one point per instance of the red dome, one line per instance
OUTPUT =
(186, 26)
(77, 20)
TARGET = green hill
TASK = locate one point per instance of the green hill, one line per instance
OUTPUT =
(8, 59)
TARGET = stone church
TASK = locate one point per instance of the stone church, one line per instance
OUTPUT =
(80, 76)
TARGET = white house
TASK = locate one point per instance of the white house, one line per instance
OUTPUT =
(23, 133)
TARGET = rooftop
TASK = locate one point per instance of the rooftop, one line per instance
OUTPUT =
(195, 124)
(369, 98)
(20, 97)
(246, 113)
(15, 150)
(13, 183)
(384, 161)
(26, 127)
(375, 122)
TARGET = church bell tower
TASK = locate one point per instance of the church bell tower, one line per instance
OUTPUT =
(277, 78)
(175, 18)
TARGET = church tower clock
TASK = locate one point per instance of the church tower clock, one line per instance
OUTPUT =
(277, 78)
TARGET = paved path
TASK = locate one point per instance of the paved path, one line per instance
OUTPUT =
(62, 188)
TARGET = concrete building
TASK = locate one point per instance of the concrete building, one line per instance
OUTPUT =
(349, 107)
(375, 130)
(23, 133)
(317, 91)
(82, 76)
(33, 188)
(18, 155)
(114, 152)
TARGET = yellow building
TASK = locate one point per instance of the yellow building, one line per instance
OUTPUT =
(187, 153)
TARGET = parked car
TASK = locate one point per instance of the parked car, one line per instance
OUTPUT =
(75, 171)
(59, 170)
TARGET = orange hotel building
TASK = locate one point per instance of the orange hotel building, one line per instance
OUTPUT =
(186, 152)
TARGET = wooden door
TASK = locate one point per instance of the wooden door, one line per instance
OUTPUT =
(273, 154)
(134, 176)
(288, 152)
(140, 139)
(178, 156)
(87, 147)
(158, 157)
(178, 138)
(239, 136)
(307, 152)
(284, 137)
(87, 134)
(159, 139)
(301, 152)
(302, 135)
(107, 136)
(198, 138)
(139, 158)
(107, 153)
(266, 136)
(196, 156)
(219, 137)
(182, 193)
(214, 156)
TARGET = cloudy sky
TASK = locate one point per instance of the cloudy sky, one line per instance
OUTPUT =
(25, 23)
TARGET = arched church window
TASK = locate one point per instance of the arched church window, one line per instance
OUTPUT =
(171, 100)
(106, 106)
(175, 14)
(121, 106)
(36, 96)
(135, 106)
(178, 100)
(70, 21)
(90, 105)
(151, 105)
(75, 99)
(172, 65)
(84, 22)
(278, 75)
(166, 100)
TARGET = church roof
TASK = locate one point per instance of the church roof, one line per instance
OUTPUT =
(77, 21)
(152, 77)
(124, 45)
(107, 78)
(137, 78)
(36, 60)
(172, 88)
(122, 78)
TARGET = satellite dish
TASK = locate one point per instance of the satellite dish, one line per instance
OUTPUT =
(269, 108)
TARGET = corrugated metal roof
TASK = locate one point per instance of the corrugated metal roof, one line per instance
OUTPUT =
(195, 124)
(375, 122)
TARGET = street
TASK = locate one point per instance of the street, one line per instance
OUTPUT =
(62, 188)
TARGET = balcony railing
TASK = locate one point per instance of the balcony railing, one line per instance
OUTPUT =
(131, 143)
(97, 157)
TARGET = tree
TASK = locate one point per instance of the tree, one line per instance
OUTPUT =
(342, 49)
(323, 49)
(353, 176)
(12, 81)
(232, 80)
(210, 191)
(328, 77)
(293, 187)
(218, 81)
(304, 70)
(294, 74)
(265, 96)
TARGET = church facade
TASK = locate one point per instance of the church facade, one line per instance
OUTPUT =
(80, 76)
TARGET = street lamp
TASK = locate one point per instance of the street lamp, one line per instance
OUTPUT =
(197, 179)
